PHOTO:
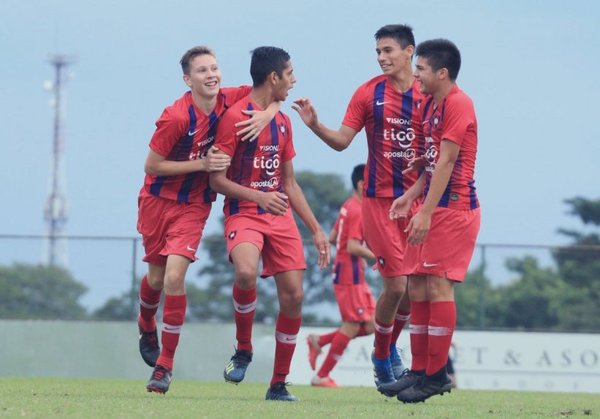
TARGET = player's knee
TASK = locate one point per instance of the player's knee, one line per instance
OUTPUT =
(156, 282)
(394, 292)
(245, 276)
(174, 281)
(292, 299)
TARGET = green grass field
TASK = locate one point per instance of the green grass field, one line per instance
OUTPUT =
(49, 397)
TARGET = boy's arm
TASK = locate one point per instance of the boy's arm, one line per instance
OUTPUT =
(258, 120)
(300, 205)
(420, 223)
(273, 202)
(157, 165)
(338, 140)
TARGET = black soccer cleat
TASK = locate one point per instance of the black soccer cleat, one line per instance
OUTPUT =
(159, 380)
(406, 380)
(426, 387)
(279, 392)
(235, 371)
(149, 349)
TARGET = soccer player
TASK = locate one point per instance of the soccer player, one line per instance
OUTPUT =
(354, 298)
(175, 201)
(443, 230)
(261, 190)
(386, 106)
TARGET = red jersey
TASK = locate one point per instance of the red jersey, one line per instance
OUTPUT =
(348, 226)
(184, 132)
(394, 134)
(254, 164)
(453, 120)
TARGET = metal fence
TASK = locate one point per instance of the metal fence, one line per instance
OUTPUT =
(110, 266)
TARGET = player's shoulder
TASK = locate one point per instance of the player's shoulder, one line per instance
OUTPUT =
(370, 84)
(283, 116)
(182, 102)
(352, 205)
(459, 99)
(179, 109)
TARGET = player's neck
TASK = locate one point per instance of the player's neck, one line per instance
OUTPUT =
(205, 104)
(357, 194)
(441, 93)
(262, 96)
(403, 80)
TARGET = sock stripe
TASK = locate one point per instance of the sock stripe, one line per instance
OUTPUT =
(244, 308)
(402, 317)
(172, 328)
(419, 329)
(285, 338)
(382, 329)
(147, 305)
(440, 331)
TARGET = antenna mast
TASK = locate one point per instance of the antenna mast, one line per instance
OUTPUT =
(56, 210)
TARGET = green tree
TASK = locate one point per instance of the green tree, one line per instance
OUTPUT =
(40, 292)
(579, 266)
(123, 308)
(476, 302)
(325, 194)
(566, 298)
(530, 299)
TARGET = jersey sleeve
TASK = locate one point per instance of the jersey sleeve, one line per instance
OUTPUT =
(355, 112)
(225, 139)
(234, 94)
(458, 116)
(169, 129)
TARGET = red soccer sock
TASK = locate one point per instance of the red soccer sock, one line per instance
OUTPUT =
(327, 338)
(173, 318)
(442, 320)
(338, 345)
(419, 337)
(286, 333)
(399, 322)
(149, 302)
(383, 338)
(244, 304)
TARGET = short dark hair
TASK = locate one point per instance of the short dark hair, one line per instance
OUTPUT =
(403, 34)
(264, 61)
(441, 53)
(358, 174)
(191, 53)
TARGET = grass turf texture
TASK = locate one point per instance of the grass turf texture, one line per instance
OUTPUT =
(49, 397)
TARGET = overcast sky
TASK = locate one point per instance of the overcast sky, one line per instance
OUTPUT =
(530, 66)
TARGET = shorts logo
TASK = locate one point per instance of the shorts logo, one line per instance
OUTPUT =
(360, 310)
(429, 265)
(231, 235)
(381, 261)
(191, 249)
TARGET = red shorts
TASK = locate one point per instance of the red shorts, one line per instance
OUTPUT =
(448, 246)
(385, 237)
(170, 227)
(276, 237)
(356, 303)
